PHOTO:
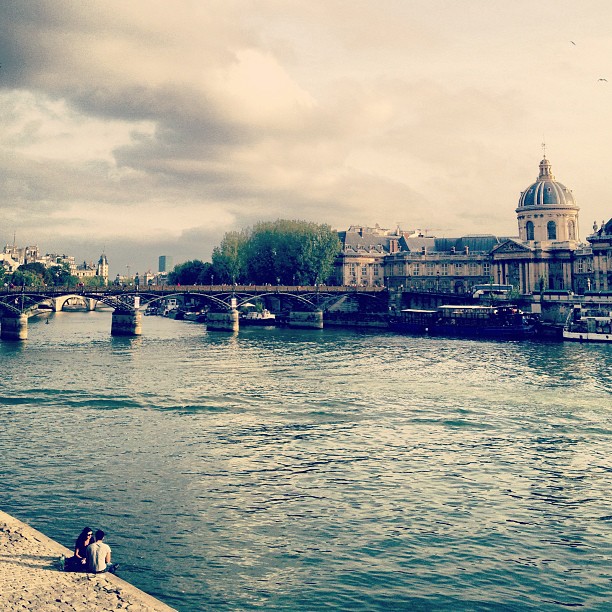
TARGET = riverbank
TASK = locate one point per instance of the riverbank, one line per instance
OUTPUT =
(30, 579)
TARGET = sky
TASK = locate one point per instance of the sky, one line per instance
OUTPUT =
(151, 127)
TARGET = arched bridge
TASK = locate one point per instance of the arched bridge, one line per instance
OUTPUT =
(301, 306)
(304, 304)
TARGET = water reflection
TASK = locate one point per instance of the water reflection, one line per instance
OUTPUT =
(281, 469)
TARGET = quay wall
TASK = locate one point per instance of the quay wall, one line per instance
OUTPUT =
(31, 580)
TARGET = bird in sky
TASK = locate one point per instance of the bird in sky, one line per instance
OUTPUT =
(573, 43)
(606, 80)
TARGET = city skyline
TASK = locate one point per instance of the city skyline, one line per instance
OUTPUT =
(152, 128)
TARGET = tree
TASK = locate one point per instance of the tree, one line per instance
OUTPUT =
(93, 281)
(228, 259)
(26, 278)
(193, 272)
(291, 252)
(60, 276)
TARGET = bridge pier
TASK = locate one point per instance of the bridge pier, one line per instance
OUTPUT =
(126, 323)
(222, 321)
(14, 328)
(306, 320)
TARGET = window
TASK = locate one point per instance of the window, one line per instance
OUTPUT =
(376, 269)
(364, 270)
(529, 228)
(473, 268)
(444, 268)
(486, 268)
(571, 230)
(430, 268)
(580, 266)
(458, 268)
(416, 269)
(551, 226)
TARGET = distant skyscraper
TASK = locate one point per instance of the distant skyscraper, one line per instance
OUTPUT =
(166, 263)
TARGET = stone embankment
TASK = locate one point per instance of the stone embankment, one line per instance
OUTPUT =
(31, 580)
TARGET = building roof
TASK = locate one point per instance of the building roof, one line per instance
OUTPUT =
(546, 191)
(367, 240)
(476, 244)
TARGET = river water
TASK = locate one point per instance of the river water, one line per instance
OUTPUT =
(303, 470)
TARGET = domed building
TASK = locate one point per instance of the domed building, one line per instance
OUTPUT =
(547, 210)
(541, 258)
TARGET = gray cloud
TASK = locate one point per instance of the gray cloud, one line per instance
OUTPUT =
(151, 126)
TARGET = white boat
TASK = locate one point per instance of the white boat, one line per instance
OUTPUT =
(588, 325)
(255, 317)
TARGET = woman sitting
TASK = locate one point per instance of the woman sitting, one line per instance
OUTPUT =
(77, 562)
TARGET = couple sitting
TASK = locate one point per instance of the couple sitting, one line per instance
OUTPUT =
(90, 555)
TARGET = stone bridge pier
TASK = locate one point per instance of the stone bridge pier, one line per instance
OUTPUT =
(14, 327)
(223, 321)
(306, 320)
(126, 323)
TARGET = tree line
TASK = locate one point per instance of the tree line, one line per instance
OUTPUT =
(36, 274)
(285, 252)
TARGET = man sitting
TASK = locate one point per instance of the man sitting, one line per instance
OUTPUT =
(99, 555)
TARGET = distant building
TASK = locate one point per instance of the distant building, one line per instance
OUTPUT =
(166, 263)
(601, 247)
(103, 268)
(8, 263)
(53, 259)
(543, 255)
(362, 258)
(90, 270)
(547, 253)
(25, 255)
(450, 265)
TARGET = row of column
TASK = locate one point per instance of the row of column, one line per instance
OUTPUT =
(129, 323)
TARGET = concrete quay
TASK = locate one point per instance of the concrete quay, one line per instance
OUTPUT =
(30, 579)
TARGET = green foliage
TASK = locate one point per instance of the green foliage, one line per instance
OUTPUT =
(193, 272)
(93, 281)
(59, 276)
(291, 252)
(26, 278)
(35, 268)
(36, 275)
(228, 259)
(284, 251)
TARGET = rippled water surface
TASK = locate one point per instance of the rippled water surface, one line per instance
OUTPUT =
(303, 470)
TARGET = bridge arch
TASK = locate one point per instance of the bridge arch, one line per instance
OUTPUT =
(59, 302)
(147, 298)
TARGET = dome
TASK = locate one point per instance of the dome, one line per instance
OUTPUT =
(546, 191)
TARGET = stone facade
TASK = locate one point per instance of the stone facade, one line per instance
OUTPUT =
(546, 255)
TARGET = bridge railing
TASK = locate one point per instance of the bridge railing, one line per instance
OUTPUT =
(166, 289)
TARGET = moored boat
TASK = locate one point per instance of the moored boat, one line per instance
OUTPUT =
(495, 322)
(588, 325)
(413, 321)
(258, 317)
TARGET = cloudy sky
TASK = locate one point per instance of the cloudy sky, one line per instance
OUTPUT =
(152, 127)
